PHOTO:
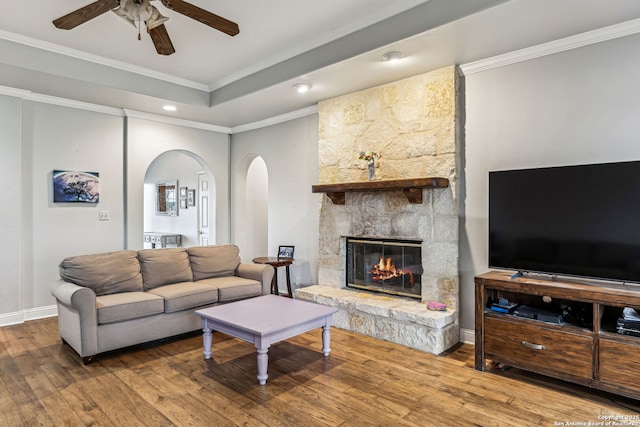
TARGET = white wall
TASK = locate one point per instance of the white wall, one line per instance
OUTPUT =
(290, 151)
(576, 107)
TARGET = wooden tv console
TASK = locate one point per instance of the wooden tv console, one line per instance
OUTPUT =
(595, 356)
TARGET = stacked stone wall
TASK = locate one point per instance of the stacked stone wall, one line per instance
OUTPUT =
(412, 123)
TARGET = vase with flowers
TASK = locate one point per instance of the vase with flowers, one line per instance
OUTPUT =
(370, 157)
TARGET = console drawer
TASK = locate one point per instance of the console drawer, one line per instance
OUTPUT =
(620, 364)
(536, 348)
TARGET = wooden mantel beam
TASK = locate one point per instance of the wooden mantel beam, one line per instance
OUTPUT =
(411, 187)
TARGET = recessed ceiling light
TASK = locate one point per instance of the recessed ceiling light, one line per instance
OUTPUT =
(169, 108)
(302, 87)
(393, 56)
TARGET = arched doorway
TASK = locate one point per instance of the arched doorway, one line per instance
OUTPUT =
(187, 170)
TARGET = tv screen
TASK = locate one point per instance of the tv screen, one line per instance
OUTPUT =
(572, 220)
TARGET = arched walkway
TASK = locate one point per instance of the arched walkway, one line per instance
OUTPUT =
(185, 168)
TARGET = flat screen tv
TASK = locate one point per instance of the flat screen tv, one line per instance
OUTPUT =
(579, 221)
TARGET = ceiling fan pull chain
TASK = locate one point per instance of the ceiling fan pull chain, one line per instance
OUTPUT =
(139, 38)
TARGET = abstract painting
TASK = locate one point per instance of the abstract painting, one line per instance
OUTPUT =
(76, 187)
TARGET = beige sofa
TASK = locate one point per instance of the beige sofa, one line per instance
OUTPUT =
(113, 300)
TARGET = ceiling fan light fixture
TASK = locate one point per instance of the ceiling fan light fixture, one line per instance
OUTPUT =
(302, 87)
(156, 20)
(392, 57)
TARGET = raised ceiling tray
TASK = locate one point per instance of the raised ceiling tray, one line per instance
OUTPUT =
(412, 188)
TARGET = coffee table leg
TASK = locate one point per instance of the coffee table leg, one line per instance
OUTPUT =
(326, 339)
(206, 341)
(263, 363)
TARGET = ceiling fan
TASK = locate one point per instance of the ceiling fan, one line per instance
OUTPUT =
(142, 11)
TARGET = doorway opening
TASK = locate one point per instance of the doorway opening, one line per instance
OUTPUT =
(189, 172)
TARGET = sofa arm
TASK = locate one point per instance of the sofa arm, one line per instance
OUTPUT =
(260, 272)
(77, 317)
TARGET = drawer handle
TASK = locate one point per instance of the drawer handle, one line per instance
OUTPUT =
(533, 346)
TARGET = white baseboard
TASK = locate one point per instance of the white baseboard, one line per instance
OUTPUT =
(18, 317)
(468, 336)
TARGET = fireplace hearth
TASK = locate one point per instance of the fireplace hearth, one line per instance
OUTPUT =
(390, 266)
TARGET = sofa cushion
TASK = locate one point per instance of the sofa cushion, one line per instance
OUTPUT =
(233, 287)
(213, 261)
(127, 306)
(164, 266)
(106, 273)
(181, 296)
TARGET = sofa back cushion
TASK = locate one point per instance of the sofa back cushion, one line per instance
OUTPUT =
(213, 261)
(164, 266)
(105, 273)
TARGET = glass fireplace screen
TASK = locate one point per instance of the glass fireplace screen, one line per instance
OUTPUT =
(388, 266)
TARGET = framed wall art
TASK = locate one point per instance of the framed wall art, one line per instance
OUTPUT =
(76, 186)
(191, 197)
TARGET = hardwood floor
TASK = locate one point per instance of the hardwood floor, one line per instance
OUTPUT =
(365, 382)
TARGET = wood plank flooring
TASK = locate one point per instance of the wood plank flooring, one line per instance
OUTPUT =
(365, 382)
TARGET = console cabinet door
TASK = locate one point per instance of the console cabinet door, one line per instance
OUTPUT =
(620, 364)
(533, 347)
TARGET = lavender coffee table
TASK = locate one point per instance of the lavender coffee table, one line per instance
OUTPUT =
(265, 320)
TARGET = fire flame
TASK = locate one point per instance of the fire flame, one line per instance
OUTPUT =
(386, 270)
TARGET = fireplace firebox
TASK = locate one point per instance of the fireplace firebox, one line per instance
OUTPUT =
(389, 266)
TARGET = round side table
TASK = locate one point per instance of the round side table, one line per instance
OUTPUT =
(275, 263)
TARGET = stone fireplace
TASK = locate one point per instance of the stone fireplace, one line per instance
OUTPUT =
(412, 124)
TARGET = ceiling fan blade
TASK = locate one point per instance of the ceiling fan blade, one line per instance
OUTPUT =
(85, 14)
(194, 12)
(161, 40)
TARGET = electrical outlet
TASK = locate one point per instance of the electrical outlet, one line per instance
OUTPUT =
(103, 215)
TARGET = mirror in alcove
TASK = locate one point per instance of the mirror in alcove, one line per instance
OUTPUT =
(167, 198)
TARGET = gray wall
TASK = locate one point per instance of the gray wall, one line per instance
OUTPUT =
(55, 137)
(13, 196)
(580, 106)
(290, 152)
(574, 107)
(37, 137)
(146, 141)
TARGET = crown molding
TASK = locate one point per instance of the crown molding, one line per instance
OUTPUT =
(561, 45)
(276, 119)
(175, 121)
(73, 53)
(63, 102)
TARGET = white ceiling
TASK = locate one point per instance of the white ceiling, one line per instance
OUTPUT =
(335, 45)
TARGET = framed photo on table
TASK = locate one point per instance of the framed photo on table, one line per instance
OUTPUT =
(285, 251)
